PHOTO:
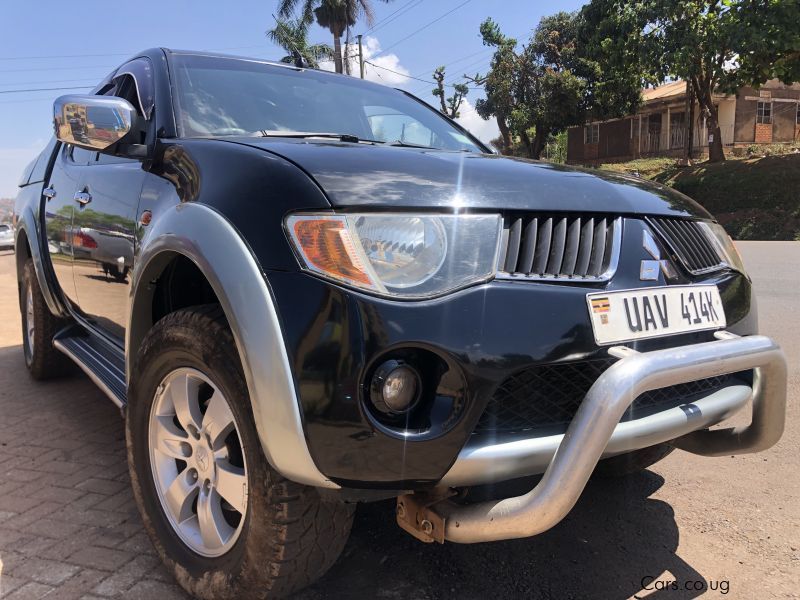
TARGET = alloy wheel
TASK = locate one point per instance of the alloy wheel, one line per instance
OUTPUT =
(198, 463)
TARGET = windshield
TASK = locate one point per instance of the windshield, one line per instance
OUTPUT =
(224, 96)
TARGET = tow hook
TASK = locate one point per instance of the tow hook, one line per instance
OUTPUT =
(415, 514)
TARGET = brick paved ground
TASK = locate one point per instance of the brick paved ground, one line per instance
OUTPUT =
(68, 523)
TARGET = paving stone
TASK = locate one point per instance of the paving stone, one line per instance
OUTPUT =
(81, 584)
(102, 486)
(52, 528)
(8, 537)
(31, 591)
(8, 584)
(45, 571)
(101, 558)
(17, 504)
(155, 589)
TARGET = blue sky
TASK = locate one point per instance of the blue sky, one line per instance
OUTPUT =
(104, 34)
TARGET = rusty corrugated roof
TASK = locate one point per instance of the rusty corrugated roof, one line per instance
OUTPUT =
(663, 92)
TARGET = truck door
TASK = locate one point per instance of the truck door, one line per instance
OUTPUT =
(59, 206)
(105, 223)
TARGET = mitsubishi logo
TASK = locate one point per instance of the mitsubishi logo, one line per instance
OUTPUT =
(650, 268)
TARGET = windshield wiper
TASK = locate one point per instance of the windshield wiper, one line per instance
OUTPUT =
(343, 137)
(403, 144)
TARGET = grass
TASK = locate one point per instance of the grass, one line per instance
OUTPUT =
(755, 198)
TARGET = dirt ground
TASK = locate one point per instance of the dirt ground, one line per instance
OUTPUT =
(690, 526)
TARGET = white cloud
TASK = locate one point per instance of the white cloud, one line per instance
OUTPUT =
(392, 72)
(485, 131)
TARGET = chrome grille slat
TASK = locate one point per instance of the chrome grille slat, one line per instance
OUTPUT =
(551, 247)
(688, 243)
(585, 249)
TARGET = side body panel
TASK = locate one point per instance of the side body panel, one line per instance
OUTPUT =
(104, 241)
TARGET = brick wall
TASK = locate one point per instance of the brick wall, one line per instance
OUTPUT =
(763, 133)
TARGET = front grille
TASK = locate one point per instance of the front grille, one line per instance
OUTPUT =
(560, 247)
(548, 396)
(689, 243)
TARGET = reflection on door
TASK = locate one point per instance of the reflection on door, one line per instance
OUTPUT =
(103, 241)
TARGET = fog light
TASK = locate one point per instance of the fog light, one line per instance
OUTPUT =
(395, 388)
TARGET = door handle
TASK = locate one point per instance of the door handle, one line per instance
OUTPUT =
(83, 198)
(49, 192)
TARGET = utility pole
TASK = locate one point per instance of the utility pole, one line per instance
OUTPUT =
(360, 56)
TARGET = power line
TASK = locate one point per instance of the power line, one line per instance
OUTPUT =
(424, 27)
(391, 18)
(44, 89)
(48, 81)
(367, 62)
(58, 68)
(455, 62)
(110, 54)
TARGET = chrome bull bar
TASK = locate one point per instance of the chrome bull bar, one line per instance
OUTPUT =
(434, 518)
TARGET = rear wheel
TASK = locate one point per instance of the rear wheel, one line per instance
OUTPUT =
(633, 462)
(220, 517)
(39, 327)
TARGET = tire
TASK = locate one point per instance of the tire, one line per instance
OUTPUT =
(288, 536)
(39, 327)
(633, 462)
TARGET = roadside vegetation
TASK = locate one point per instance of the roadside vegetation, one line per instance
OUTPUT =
(755, 196)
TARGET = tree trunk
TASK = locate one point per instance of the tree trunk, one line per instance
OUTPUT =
(505, 134)
(704, 97)
(337, 53)
(687, 120)
(526, 141)
(715, 150)
(536, 145)
(690, 117)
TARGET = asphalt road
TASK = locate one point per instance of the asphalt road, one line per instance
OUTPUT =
(720, 527)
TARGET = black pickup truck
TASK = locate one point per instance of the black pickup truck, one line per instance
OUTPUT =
(307, 291)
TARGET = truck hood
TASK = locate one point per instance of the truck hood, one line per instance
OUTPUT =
(356, 175)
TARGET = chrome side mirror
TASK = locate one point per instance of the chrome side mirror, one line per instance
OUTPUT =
(92, 122)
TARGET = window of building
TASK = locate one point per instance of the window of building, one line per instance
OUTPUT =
(797, 117)
(591, 133)
(764, 112)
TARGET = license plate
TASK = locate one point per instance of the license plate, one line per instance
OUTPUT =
(630, 315)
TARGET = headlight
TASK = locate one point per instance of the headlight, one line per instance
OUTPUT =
(398, 255)
(724, 244)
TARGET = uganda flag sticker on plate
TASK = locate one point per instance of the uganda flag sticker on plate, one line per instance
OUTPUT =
(600, 305)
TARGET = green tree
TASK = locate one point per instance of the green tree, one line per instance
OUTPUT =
(334, 15)
(292, 36)
(548, 85)
(712, 44)
(499, 83)
(449, 106)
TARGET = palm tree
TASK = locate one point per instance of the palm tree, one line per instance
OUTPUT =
(334, 15)
(292, 36)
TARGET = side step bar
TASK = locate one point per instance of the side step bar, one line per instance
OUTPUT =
(96, 359)
(435, 519)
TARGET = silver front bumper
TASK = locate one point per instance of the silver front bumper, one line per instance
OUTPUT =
(596, 431)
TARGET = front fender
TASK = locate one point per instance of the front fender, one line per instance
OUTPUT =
(29, 233)
(208, 239)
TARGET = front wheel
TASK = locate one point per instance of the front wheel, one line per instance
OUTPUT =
(39, 327)
(220, 517)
